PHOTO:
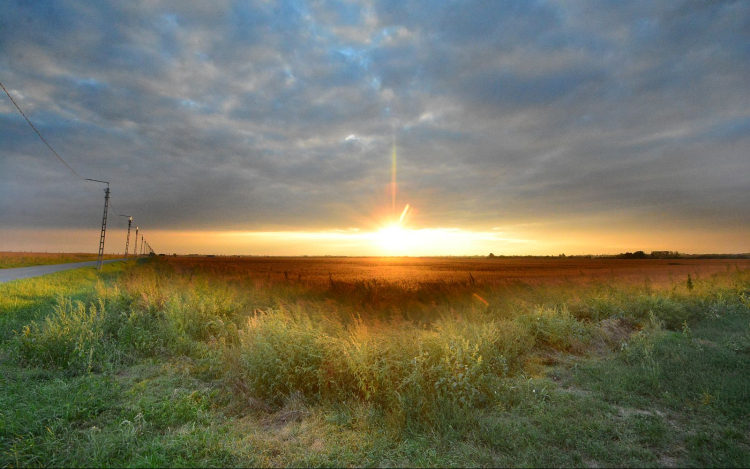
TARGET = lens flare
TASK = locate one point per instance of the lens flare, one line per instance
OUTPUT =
(393, 177)
(403, 214)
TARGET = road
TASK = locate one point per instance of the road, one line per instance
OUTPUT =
(6, 275)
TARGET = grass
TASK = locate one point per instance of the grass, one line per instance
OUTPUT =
(12, 260)
(185, 363)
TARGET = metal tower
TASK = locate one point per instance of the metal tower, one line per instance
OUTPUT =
(127, 240)
(104, 223)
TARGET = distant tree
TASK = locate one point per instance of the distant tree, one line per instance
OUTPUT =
(491, 256)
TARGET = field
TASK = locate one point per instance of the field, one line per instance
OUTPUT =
(191, 361)
(11, 260)
(498, 271)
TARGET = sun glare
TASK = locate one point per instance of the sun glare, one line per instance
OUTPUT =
(393, 239)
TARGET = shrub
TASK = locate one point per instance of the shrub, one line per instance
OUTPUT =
(556, 328)
(281, 354)
(413, 372)
(71, 338)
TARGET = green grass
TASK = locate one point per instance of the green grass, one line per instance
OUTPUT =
(141, 365)
(12, 260)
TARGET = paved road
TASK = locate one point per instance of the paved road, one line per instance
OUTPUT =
(6, 275)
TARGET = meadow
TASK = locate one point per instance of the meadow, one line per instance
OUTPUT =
(12, 260)
(191, 361)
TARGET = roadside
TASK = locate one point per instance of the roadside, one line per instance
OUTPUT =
(13, 260)
(7, 275)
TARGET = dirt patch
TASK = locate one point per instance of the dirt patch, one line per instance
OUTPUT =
(284, 417)
(575, 391)
(667, 461)
(317, 446)
(616, 331)
(612, 334)
(705, 343)
(628, 411)
(294, 410)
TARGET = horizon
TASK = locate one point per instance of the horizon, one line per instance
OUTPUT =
(672, 255)
(377, 128)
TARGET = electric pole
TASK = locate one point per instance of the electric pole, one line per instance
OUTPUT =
(104, 222)
(127, 240)
(135, 245)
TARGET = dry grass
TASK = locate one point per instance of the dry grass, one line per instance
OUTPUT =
(11, 260)
(536, 271)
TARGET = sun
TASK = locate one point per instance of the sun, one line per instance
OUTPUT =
(392, 238)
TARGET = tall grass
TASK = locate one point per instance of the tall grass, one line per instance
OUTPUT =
(169, 363)
(412, 350)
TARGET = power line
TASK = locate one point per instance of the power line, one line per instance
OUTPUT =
(40, 135)
(107, 201)
(115, 210)
(43, 139)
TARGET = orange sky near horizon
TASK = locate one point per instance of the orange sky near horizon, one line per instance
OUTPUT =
(531, 240)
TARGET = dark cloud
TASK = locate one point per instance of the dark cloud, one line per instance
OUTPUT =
(278, 114)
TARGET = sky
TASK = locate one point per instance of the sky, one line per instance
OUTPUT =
(269, 128)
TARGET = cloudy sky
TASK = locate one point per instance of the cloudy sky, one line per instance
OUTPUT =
(268, 127)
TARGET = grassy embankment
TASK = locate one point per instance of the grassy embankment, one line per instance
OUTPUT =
(168, 363)
(11, 260)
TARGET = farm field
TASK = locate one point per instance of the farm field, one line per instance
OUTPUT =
(12, 260)
(497, 271)
(190, 361)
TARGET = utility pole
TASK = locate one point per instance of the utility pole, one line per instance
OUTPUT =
(143, 249)
(135, 245)
(104, 222)
(127, 240)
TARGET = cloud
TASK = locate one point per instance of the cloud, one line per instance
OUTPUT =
(239, 114)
